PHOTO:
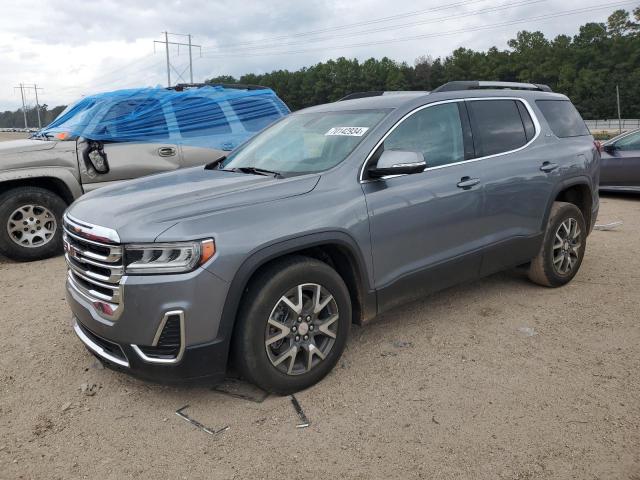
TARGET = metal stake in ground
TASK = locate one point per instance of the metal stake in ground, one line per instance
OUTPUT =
(197, 424)
(304, 421)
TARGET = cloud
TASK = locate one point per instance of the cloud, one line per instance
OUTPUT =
(77, 48)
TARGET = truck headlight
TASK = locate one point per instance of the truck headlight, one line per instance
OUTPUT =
(176, 257)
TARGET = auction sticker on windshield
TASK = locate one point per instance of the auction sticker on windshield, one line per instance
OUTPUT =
(347, 131)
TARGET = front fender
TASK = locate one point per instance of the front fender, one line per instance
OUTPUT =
(65, 175)
(281, 248)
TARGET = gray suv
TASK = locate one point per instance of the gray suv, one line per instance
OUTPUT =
(329, 217)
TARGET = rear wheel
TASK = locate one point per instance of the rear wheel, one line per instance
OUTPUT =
(563, 247)
(293, 325)
(30, 223)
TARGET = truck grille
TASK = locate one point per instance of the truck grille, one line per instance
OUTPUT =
(95, 267)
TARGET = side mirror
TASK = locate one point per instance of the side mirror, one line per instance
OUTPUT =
(610, 148)
(398, 162)
(95, 158)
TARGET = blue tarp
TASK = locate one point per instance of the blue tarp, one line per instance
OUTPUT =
(210, 116)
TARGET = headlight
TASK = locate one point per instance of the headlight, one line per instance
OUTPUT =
(167, 257)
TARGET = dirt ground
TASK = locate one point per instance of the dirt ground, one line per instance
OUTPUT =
(497, 379)
(4, 136)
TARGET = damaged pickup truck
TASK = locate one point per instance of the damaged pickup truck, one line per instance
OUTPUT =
(106, 138)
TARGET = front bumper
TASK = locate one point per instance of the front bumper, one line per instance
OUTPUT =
(199, 363)
(196, 298)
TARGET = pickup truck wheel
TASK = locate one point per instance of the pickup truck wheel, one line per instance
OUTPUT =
(30, 223)
(562, 249)
(293, 325)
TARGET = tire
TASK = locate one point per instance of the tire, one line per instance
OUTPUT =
(567, 252)
(23, 204)
(263, 304)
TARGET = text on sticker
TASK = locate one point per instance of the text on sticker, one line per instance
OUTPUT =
(348, 131)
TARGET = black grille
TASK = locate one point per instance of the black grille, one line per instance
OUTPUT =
(169, 342)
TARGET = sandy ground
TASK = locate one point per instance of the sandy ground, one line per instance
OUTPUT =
(4, 136)
(497, 379)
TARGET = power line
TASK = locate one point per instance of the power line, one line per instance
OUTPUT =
(431, 35)
(139, 63)
(397, 26)
(351, 25)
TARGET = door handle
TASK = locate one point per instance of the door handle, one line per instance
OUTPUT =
(467, 182)
(548, 167)
(167, 151)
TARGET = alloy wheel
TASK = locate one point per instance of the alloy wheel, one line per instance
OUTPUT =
(32, 226)
(301, 329)
(566, 246)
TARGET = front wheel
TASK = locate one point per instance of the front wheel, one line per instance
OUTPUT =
(293, 325)
(30, 223)
(563, 247)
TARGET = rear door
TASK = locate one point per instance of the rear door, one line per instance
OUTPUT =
(620, 166)
(155, 152)
(516, 190)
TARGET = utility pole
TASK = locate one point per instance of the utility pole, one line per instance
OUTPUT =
(24, 107)
(619, 116)
(166, 43)
(22, 88)
(190, 61)
(35, 89)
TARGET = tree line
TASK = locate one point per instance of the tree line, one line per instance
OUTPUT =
(15, 119)
(586, 67)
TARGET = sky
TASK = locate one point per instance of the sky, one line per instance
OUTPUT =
(74, 48)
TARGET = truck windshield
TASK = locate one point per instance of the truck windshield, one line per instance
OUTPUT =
(305, 143)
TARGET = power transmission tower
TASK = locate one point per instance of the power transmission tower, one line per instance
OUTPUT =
(35, 88)
(166, 43)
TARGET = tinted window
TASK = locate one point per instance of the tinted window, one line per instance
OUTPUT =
(435, 131)
(133, 119)
(199, 117)
(255, 113)
(630, 142)
(529, 128)
(563, 118)
(497, 126)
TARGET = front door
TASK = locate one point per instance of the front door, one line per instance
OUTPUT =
(620, 167)
(147, 145)
(424, 227)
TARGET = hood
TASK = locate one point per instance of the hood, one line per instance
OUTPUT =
(25, 145)
(140, 210)
(37, 154)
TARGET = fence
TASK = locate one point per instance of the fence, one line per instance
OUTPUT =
(627, 124)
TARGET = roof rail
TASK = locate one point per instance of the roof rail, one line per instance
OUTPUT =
(239, 86)
(354, 95)
(378, 93)
(477, 85)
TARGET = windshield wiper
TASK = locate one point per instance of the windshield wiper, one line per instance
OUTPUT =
(256, 171)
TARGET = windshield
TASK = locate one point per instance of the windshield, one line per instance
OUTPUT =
(80, 112)
(306, 142)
